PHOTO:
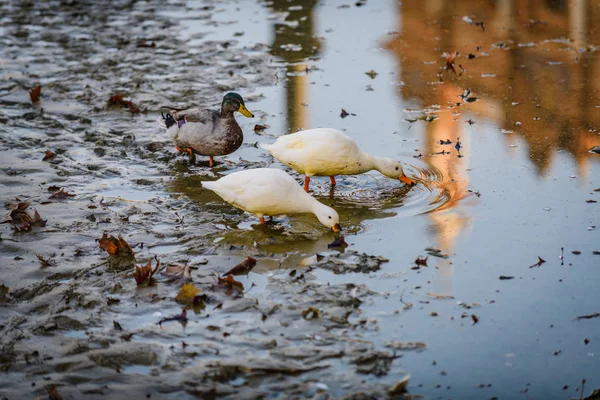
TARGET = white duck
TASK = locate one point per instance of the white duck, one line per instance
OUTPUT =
(269, 192)
(330, 152)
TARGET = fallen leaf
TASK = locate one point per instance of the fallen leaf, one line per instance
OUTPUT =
(115, 247)
(118, 99)
(371, 74)
(591, 201)
(53, 188)
(586, 341)
(179, 272)
(344, 113)
(503, 277)
(179, 317)
(34, 94)
(49, 155)
(539, 263)
(338, 242)
(421, 261)
(258, 129)
(144, 273)
(311, 313)
(589, 316)
(231, 283)
(440, 296)
(60, 195)
(475, 318)
(447, 141)
(117, 326)
(242, 268)
(400, 386)
(53, 393)
(45, 262)
(449, 59)
(4, 290)
(187, 293)
(576, 252)
(37, 219)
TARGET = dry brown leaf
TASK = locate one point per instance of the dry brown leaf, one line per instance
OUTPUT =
(145, 272)
(258, 129)
(242, 268)
(231, 283)
(440, 296)
(179, 272)
(187, 293)
(4, 290)
(311, 313)
(61, 195)
(539, 263)
(421, 261)
(53, 393)
(34, 94)
(49, 155)
(45, 262)
(115, 247)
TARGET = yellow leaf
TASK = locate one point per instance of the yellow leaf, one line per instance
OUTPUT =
(187, 293)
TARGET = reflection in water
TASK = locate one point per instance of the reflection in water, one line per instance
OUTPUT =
(529, 81)
(546, 86)
(295, 43)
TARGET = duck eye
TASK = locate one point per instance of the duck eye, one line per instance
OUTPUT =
(396, 168)
(329, 217)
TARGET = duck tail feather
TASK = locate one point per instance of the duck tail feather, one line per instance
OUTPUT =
(265, 146)
(166, 121)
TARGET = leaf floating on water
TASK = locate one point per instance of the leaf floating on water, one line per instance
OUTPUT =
(258, 129)
(539, 263)
(242, 268)
(178, 272)
(440, 296)
(449, 59)
(34, 94)
(53, 188)
(504, 278)
(45, 262)
(338, 242)
(421, 261)
(145, 272)
(589, 316)
(591, 201)
(311, 313)
(187, 293)
(49, 155)
(371, 74)
(118, 99)
(179, 317)
(344, 114)
(61, 195)
(231, 283)
(475, 318)
(4, 290)
(114, 246)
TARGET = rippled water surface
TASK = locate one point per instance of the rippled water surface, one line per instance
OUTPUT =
(498, 136)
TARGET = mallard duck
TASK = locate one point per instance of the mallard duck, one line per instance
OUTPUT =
(270, 192)
(330, 152)
(207, 132)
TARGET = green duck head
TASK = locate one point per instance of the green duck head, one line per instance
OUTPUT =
(234, 102)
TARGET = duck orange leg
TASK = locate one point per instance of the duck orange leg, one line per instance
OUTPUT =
(262, 220)
(210, 161)
(332, 179)
(306, 183)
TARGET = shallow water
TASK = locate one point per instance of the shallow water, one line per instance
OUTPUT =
(523, 102)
